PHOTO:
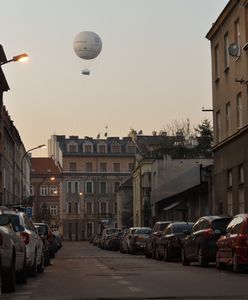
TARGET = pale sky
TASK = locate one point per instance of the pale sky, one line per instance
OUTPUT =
(154, 67)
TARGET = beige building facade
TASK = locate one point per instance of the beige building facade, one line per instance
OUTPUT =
(229, 46)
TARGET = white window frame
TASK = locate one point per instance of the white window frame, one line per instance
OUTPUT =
(100, 187)
(53, 210)
(44, 190)
(72, 187)
(92, 186)
(87, 144)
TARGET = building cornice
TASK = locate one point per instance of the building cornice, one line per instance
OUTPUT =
(233, 137)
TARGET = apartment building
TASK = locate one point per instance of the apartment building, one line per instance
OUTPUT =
(229, 46)
(93, 170)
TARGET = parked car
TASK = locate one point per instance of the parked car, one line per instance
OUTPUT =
(58, 238)
(49, 238)
(232, 247)
(105, 237)
(137, 240)
(114, 241)
(152, 239)
(34, 245)
(41, 231)
(200, 244)
(12, 256)
(169, 245)
(125, 240)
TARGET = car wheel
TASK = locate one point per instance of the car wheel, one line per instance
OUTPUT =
(8, 278)
(185, 261)
(166, 255)
(33, 269)
(202, 260)
(219, 265)
(153, 252)
(237, 268)
(41, 266)
(158, 257)
(23, 274)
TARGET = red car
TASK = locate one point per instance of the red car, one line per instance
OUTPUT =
(232, 248)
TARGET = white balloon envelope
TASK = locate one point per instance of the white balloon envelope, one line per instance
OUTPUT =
(87, 45)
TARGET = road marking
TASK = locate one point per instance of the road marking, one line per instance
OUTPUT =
(117, 277)
(124, 282)
(134, 289)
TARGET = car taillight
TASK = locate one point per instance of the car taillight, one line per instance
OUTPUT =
(25, 237)
(1, 239)
(208, 233)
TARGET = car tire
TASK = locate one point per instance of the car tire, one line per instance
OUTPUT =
(219, 265)
(237, 268)
(185, 260)
(22, 276)
(166, 255)
(41, 266)
(8, 278)
(202, 260)
(148, 254)
(33, 269)
(158, 257)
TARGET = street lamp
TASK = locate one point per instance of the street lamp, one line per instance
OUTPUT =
(21, 57)
(24, 155)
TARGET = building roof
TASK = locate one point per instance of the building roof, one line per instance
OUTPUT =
(44, 165)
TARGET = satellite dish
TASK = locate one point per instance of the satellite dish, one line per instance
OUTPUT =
(234, 49)
(87, 45)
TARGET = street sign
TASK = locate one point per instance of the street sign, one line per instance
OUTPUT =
(29, 212)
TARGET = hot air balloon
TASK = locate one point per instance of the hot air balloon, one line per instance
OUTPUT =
(87, 45)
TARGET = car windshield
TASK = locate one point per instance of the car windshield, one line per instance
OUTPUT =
(15, 221)
(179, 228)
(143, 231)
(163, 226)
(220, 224)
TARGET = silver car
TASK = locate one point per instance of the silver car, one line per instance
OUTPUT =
(34, 246)
(12, 256)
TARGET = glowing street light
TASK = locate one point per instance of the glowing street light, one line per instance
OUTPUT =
(21, 57)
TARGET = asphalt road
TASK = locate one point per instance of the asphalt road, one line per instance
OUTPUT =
(83, 271)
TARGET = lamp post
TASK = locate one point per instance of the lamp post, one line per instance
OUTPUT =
(22, 175)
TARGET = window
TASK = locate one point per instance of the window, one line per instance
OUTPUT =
(31, 190)
(103, 208)
(237, 32)
(89, 187)
(217, 62)
(89, 167)
(239, 111)
(228, 119)
(76, 207)
(88, 148)
(102, 148)
(89, 208)
(69, 207)
(241, 174)
(229, 178)
(117, 167)
(229, 203)
(44, 190)
(226, 52)
(131, 149)
(217, 126)
(116, 148)
(241, 195)
(72, 148)
(103, 187)
(53, 190)
(116, 186)
(72, 187)
(103, 167)
(73, 166)
(53, 210)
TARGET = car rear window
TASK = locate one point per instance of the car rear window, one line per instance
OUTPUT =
(220, 224)
(179, 228)
(143, 231)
